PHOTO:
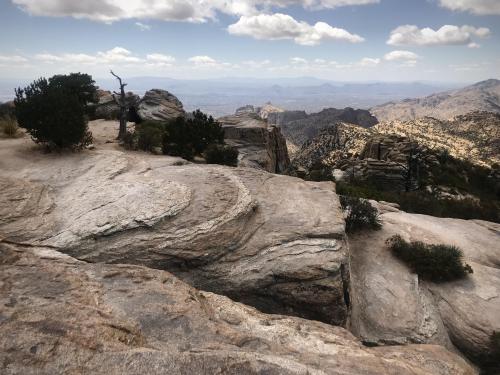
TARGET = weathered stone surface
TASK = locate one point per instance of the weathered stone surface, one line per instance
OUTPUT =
(392, 305)
(272, 241)
(260, 145)
(160, 105)
(62, 316)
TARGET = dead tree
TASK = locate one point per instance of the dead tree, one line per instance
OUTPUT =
(122, 103)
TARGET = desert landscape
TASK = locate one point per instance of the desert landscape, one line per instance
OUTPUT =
(276, 225)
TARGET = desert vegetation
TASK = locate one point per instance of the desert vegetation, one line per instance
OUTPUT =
(54, 111)
(360, 214)
(194, 135)
(8, 126)
(436, 263)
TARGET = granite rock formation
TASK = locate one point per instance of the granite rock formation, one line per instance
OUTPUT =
(274, 242)
(260, 145)
(159, 105)
(391, 305)
(63, 316)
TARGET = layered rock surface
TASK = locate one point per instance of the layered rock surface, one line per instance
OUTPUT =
(60, 315)
(260, 145)
(160, 105)
(393, 306)
(271, 241)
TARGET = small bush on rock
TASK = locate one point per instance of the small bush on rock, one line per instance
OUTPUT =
(437, 263)
(360, 214)
(54, 111)
(149, 135)
(221, 154)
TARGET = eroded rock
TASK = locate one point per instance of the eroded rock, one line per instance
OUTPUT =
(160, 105)
(60, 315)
(271, 241)
(260, 145)
(392, 305)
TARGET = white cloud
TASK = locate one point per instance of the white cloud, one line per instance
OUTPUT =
(117, 55)
(298, 60)
(202, 60)
(159, 58)
(12, 59)
(167, 10)
(401, 55)
(143, 26)
(369, 62)
(473, 45)
(480, 7)
(446, 35)
(281, 26)
(405, 58)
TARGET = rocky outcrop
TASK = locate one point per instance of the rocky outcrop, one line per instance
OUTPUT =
(299, 127)
(271, 241)
(160, 105)
(107, 108)
(62, 316)
(260, 145)
(474, 136)
(391, 305)
(334, 144)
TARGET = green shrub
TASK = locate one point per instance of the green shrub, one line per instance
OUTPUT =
(9, 126)
(423, 202)
(360, 214)
(437, 263)
(186, 137)
(221, 154)
(203, 130)
(54, 111)
(149, 135)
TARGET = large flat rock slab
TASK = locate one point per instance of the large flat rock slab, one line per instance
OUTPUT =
(63, 316)
(274, 242)
(391, 305)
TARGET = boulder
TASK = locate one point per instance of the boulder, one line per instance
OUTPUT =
(63, 316)
(160, 105)
(274, 242)
(391, 305)
(260, 145)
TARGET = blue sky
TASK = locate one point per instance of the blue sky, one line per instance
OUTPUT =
(350, 40)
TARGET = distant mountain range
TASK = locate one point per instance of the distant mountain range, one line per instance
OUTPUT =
(482, 96)
(223, 96)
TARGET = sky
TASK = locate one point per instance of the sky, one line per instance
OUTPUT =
(342, 40)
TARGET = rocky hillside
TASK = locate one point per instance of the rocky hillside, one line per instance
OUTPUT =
(482, 96)
(109, 261)
(299, 127)
(474, 136)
